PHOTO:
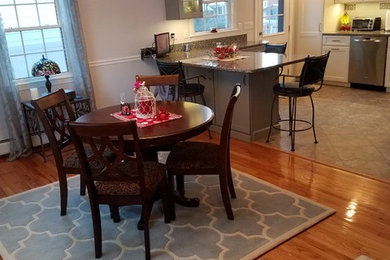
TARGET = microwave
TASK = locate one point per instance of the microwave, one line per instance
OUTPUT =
(366, 24)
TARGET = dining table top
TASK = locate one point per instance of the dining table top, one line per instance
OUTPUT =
(196, 118)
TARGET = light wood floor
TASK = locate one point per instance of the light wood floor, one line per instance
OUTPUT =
(361, 225)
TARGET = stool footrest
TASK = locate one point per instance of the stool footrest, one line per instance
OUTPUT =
(296, 130)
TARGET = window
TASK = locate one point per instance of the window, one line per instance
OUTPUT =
(32, 30)
(216, 14)
(273, 16)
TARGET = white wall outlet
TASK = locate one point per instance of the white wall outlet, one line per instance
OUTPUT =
(173, 36)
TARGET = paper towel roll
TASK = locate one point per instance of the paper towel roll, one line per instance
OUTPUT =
(34, 93)
(387, 21)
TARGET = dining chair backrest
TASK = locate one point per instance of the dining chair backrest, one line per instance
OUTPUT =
(54, 111)
(275, 48)
(159, 80)
(102, 137)
(227, 122)
(313, 70)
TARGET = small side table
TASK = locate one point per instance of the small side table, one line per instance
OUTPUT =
(80, 105)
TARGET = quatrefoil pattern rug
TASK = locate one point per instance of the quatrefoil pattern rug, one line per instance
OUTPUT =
(265, 216)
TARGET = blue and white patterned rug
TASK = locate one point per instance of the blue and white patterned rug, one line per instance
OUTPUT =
(265, 216)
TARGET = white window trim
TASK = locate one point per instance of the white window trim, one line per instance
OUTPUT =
(232, 31)
(31, 82)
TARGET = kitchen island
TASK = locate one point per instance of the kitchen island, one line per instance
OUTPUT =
(257, 72)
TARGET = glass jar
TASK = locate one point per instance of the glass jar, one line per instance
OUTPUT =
(145, 103)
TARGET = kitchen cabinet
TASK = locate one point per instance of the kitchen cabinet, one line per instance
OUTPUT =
(338, 63)
(183, 9)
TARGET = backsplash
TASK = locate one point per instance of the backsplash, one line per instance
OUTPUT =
(368, 10)
(205, 44)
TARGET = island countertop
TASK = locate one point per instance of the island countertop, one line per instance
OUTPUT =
(250, 62)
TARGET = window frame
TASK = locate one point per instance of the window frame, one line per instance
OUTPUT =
(274, 15)
(30, 81)
(231, 16)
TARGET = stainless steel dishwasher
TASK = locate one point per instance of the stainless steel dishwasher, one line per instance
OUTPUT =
(367, 59)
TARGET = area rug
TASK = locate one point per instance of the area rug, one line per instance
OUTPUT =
(265, 216)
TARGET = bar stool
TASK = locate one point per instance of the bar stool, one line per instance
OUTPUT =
(312, 72)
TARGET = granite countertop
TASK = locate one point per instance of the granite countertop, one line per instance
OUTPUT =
(250, 62)
(357, 33)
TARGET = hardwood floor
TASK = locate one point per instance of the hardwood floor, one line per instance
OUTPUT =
(361, 225)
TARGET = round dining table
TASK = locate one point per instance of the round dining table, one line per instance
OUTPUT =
(195, 119)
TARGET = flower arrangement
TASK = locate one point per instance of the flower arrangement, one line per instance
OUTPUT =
(138, 84)
(223, 52)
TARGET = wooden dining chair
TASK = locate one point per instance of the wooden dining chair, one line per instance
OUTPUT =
(203, 158)
(126, 180)
(159, 80)
(54, 110)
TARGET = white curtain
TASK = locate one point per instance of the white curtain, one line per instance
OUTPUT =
(20, 142)
(76, 52)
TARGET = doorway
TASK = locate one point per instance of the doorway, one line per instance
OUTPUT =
(273, 22)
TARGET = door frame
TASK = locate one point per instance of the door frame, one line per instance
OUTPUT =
(285, 36)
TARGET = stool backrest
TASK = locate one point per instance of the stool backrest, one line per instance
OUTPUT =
(275, 48)
(313, 70)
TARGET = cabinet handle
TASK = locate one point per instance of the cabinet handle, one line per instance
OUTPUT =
(244, 80)
(335, 40)
(335, 49)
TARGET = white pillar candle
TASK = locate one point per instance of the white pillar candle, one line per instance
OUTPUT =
(34, 93)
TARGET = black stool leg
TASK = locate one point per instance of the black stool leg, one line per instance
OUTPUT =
(312, 120)
(293, 122)
(290, 115)
(204, 103)
(271, 122)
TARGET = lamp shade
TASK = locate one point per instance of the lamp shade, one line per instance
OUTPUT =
(45, 67)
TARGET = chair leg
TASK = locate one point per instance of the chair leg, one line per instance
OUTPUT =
(271, 122)
(82, 185)
(293, 122)
(230, 181)
(171, 197)
(312, 120)
(97, 228)
(225, 196)
(114, 210)
(145, 216)
(204, 103)
(63, 192)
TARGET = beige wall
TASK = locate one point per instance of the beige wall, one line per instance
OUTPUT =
(116, 30)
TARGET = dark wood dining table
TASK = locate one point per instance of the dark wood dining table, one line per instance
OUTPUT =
(195, 120)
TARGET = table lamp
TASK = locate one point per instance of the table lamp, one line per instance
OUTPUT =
(45, 67)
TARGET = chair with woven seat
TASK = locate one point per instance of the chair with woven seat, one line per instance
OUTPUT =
(203, 158)
(312, 73)
(275, 48)
(54, 110)
(126, 180)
